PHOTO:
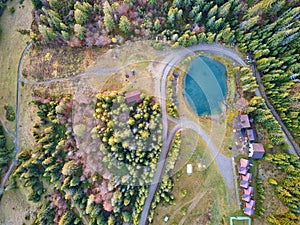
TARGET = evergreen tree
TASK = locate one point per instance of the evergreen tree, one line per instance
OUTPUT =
(124, 24)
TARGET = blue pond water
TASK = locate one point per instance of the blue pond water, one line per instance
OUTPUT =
(205, 86)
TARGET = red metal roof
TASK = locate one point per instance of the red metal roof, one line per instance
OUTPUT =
(133, 96)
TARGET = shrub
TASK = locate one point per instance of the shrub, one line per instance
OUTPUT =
(10, 113)
(11, 10)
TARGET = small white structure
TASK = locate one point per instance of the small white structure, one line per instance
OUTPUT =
(189, 169)
(166, 218)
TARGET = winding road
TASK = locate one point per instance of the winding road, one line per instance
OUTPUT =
(223, 162)
(174, 57)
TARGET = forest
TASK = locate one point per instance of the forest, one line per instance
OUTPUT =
(129, 148)
(266, 30)
(131, 136)
(287, 189)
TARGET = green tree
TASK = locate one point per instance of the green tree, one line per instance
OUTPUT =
(124, 24)
(37, 4)
(109, 22)
(79, 31)
(82, 13)
(157, 25)
(71, 168)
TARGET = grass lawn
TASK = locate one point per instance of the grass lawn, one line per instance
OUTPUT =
(12, 44)
(14, 207)
(206, 197)
(240, 222)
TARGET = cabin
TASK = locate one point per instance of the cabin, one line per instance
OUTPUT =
(247, 194)
(248, 191)
(251, 135)
(244, 184)
(249, 208)
(250, 204)
(243, 166)
(189, 169)
(247, 177)
(133, 96)
(248, 212)
(256, 150)
(244, 121)
(246, 197)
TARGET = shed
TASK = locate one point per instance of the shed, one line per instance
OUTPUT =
(133, 96)
(256, 150)
(251, 135)
(244, 119)
(166, 218)
(176, 75)
(189, 169)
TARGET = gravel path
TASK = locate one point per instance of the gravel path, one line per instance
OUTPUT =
(223, 162)
(17, 137)
(173, 57)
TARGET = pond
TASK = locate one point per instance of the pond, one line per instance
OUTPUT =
(205, 86)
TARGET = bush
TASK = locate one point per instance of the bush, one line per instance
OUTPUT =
(183, 192)
(184, 211)
(11, 10)
(10, 113)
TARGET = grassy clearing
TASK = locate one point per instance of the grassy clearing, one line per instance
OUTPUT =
(45, 63)
(12, 44)
(14, 207)
(241, 222)
(204, 188)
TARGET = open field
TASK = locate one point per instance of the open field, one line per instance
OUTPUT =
(206, 198)
(14, 207)
(105, 73)
(12, 44)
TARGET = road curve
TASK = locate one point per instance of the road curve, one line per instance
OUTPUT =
(173, 58)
